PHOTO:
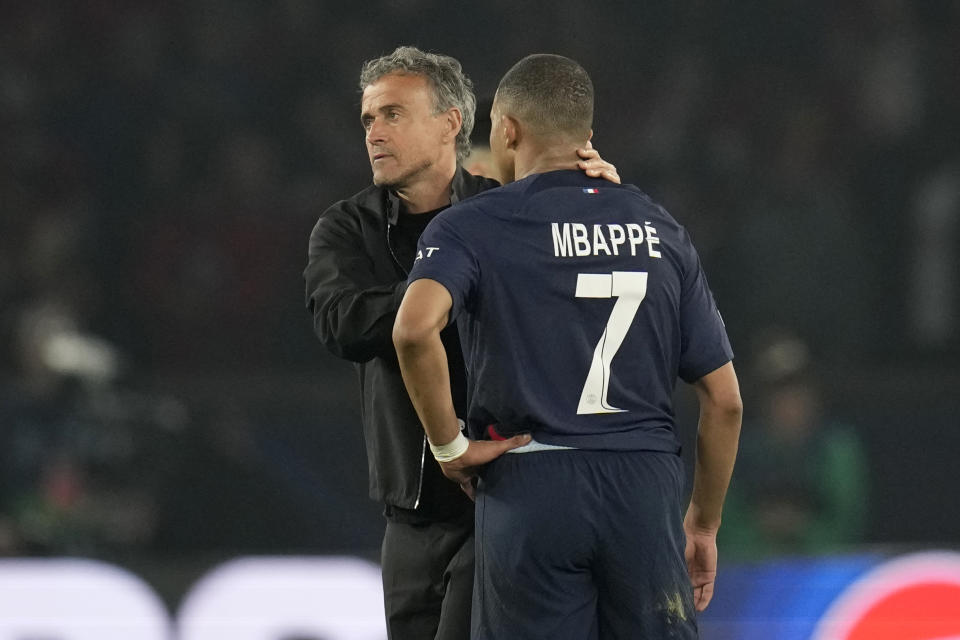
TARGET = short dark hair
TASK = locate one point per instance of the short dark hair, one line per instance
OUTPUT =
(549, 93)
(451, 87)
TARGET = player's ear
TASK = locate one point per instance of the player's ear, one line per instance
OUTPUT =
(589, 138)
(454, 121)
(512, 132)
(498, 130)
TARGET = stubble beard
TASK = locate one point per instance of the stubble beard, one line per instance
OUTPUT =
(403, 180)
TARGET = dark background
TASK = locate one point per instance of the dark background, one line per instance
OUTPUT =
(161, 393)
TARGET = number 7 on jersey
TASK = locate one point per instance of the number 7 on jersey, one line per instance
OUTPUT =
(629, 288)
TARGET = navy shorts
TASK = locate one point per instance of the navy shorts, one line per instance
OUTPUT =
(581, 545)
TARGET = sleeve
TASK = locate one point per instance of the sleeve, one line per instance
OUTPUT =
(353, 311)
(704, 344)
(443, 255)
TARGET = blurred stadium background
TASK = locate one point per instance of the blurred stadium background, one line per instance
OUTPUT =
(164, 406)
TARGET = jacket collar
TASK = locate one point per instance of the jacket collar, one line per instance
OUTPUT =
(457, 188)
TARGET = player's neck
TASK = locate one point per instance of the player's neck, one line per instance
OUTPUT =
(543, 159)
(430, 191)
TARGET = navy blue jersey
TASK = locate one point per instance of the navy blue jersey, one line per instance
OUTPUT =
(579, 303)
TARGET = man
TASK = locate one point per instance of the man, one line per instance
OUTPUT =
(579, 304)
(417, 112)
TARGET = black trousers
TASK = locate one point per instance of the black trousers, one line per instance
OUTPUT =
(428, 579)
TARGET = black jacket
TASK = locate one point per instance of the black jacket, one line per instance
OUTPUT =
(354, 285)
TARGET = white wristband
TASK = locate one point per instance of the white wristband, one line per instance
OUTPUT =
(452, 450)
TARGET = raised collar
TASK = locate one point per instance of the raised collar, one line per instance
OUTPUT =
(457, 186)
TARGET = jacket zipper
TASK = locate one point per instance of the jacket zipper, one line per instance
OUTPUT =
(423, 446)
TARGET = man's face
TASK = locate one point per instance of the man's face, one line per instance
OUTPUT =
(500, 156)
(404, 138)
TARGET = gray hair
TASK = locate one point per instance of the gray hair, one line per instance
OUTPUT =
(550, 93)
(451, 88)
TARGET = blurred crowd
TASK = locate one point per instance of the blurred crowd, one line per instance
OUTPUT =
(802, 481)
(164, 162)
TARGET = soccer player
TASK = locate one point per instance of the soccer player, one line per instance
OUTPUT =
(579, 303)
(417, 112)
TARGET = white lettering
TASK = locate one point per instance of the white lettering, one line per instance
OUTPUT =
(652, 239)
(599, 242)
(253, 598)
(75, 599)
(257, 598)
(562, 245)
(617, 237)
(574, 239)
(430, 251)
(581, 239)
(635, 234)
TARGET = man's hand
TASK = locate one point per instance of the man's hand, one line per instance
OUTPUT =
(701, 555)
(465, 468)
(595, 166)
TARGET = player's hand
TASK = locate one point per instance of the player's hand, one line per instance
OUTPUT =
(479, 452)
(701, 556)
(595, 166)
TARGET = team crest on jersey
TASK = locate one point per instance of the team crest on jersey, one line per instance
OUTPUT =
(429, 251)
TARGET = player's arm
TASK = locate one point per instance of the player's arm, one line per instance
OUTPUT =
(423, 362)
(721, 412)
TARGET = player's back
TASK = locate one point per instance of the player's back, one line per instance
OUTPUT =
(579, 319)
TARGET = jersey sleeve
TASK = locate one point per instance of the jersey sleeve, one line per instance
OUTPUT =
(704, 344)
(443, 255)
